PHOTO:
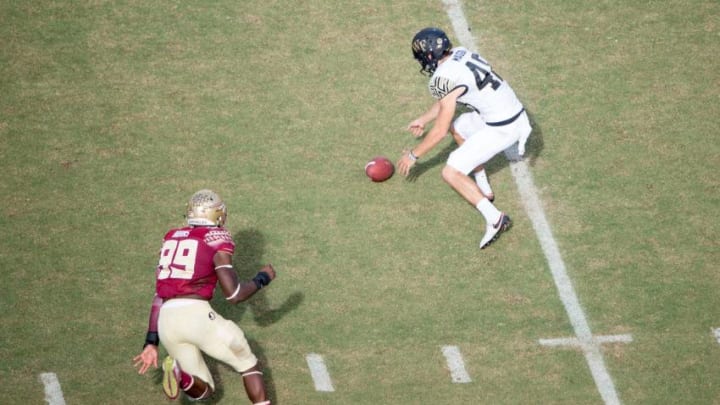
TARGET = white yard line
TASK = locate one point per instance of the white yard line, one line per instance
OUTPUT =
(576, 342)
(533, 207)
(716, 333)
(53, 392)
(319, 373)
(456, 364)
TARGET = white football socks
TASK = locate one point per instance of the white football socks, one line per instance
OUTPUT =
(489, 211)
(482, 182)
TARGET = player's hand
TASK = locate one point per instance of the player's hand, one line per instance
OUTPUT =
(269, 270)
(417, 128)
(147, 358)
(405, 164)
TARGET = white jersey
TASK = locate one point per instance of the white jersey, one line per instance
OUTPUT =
(485, 92)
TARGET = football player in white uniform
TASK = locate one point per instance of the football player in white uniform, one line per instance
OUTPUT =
(496, 120)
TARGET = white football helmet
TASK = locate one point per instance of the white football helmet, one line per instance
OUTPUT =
(206, 208)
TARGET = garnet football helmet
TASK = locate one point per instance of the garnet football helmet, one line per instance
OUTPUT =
(429, 46)
(206, 208)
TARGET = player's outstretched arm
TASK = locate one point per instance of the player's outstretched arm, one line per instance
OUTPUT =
(444, 111)
(233, 289)
(417, 126)
(148, 357)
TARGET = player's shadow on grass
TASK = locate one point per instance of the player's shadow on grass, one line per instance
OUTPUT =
(533, 149)
(536, 142)
(248, 260)
(249, 250)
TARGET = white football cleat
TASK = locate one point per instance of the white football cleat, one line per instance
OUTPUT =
(493, 231)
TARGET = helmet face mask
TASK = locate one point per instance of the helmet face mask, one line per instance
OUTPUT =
(429, 46)
(206, 208)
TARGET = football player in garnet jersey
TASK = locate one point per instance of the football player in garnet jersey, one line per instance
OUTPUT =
(496, 121)
(192, 261)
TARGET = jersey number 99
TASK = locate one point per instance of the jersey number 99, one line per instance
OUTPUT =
(177, 259)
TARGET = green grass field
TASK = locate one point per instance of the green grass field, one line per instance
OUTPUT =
(113, 113)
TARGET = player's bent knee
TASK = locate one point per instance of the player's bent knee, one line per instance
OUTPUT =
(450, 174)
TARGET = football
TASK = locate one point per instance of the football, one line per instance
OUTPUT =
(379, 169)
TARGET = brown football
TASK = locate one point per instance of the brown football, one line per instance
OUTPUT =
(379, 169)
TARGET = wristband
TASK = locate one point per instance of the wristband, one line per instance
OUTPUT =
(261, 279)
(412, 156)
(152, 338)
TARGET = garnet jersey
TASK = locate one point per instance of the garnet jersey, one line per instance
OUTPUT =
(485, 92)
(186, 261)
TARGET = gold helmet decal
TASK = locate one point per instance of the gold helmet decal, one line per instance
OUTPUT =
(206, 208)
(419, 45)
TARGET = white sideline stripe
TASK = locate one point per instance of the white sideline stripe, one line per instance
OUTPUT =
(319, 373)
(576, 342)
(529, 197)
(53, 392)
(591, 349)
(456, 364)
